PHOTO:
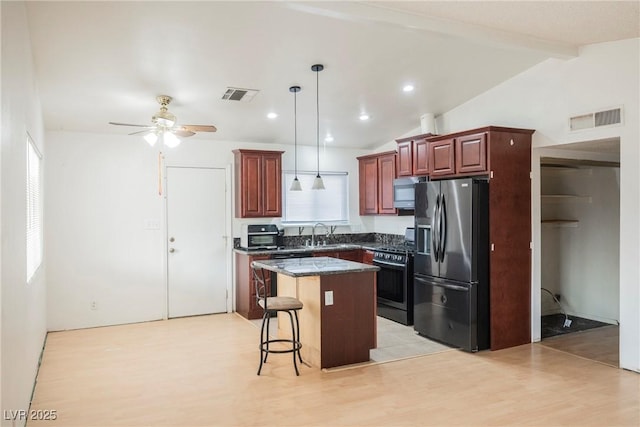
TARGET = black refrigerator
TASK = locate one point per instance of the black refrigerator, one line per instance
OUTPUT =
(451, 265)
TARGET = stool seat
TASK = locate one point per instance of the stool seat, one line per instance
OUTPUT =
(281, 303)
(271, 306)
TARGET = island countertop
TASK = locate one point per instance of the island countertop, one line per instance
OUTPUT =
(314, 266)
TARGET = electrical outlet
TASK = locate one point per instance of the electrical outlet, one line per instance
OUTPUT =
(94, 305)
(328, 298)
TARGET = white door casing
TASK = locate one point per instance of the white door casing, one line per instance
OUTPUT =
(197, 274)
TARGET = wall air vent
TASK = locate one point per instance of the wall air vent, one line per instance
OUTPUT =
(597, 119)
(239, 94)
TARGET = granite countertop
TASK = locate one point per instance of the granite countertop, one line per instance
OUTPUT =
(311, 249)
(315, 266)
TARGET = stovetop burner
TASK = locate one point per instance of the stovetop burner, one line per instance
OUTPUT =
(402, 248)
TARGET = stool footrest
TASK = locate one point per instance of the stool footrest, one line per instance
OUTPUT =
(296, 346)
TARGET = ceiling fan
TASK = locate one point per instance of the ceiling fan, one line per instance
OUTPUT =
(164, 126)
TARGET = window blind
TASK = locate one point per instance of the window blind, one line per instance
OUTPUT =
(34, 209)
(330, 205)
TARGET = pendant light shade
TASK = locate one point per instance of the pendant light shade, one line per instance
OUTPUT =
(295, 185)
(318, 184)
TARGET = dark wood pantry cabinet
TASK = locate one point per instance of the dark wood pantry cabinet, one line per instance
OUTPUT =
(376, 175)
(258, 177)
(503, 156)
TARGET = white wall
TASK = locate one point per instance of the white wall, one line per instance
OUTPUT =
(100, 189)
(23, 324)
(581, 263)
(543, 98)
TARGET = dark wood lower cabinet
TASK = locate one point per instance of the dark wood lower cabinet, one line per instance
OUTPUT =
(351, 255)
(246, 304)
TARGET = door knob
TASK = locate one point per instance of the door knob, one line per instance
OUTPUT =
(171, 239)
(172, 250)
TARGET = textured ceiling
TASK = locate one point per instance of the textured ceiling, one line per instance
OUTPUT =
(106, 61)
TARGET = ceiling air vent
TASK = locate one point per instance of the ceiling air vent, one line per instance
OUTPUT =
(238, 94)
(597, 119)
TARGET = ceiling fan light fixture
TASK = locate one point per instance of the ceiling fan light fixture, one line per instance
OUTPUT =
(170, 140)
(164, 119)
(151, 138)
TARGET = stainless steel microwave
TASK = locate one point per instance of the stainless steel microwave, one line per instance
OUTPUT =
(259, 236)
(404, 191)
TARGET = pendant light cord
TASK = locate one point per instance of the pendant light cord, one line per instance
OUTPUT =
(295, 130)
(318, 122)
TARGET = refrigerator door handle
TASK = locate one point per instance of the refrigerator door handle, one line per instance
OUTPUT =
(439, 284)
(435, 237)
(443, 219)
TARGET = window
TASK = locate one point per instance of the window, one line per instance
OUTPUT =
(330, 205)
(34, 209)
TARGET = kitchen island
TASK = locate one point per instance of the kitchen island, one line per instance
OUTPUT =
(338, 320)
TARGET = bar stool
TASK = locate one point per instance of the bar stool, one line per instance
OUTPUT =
(271, 306)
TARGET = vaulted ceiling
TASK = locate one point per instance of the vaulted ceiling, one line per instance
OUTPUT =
(107, 61)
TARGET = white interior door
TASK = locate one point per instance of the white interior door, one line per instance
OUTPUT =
(196, 258)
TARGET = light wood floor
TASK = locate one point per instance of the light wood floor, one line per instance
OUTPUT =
(201, 371)
(599, 344)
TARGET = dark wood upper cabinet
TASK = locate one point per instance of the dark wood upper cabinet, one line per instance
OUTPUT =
(412, 157)
(420, 157)
(258, 182)
(376, 175)
(386, 175)
(368, 178)
(404, 159)
(471, 153)
(442, 158)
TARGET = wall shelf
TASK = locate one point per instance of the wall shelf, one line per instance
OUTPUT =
(560, 223)
(563, 170)
(559, 198)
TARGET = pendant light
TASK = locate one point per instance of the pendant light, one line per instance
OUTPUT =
(295, 185)
(318, 184)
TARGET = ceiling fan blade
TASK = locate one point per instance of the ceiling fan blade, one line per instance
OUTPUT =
(199, 128)
(129, 124)
(182, 132)
(140, 131)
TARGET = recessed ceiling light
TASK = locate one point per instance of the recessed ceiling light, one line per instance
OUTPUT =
(272, 115)
(408, 88)
(364, 116)
(328, 138)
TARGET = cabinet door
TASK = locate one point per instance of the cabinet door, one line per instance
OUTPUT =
(272, 187)
(367, 257)
(352, 255)
(246, 304)
(471, 153)
(251, 184)
(420, 157)
(441, 158)
(404, 158)
(330, 254)
(386, 175)
(368, 186)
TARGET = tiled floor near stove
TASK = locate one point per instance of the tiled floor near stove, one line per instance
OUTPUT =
(395, 341)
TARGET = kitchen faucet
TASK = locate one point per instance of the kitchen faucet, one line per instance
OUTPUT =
(313, 232)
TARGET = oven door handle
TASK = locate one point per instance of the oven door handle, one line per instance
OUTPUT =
(389, 264)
